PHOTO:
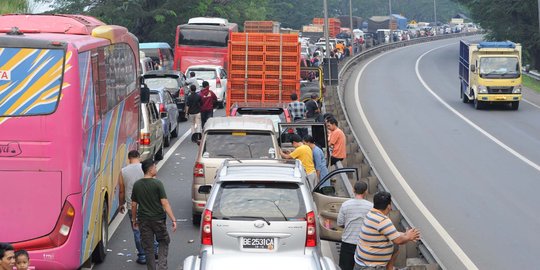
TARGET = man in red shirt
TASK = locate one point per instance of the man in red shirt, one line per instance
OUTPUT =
(208, 99)
(336, 141)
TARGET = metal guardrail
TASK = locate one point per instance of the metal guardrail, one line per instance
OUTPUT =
(422, 247)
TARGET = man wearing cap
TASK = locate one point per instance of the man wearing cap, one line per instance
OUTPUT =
(351, 217)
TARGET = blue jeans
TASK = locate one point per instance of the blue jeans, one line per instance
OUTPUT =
(137, 237)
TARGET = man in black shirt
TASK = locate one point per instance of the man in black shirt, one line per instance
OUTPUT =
(193, 109)
(312, 107)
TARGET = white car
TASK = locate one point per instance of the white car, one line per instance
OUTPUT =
(216, 76)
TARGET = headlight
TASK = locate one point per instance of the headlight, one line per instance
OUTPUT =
(482, 89)
(517, 89)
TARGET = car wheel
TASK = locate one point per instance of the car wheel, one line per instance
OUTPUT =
(167, 139)
(182, 117)
(99, 254)
(174, 133)
(514, 105)
(478, 104)
(159, 154)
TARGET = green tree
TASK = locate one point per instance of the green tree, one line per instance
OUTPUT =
(14, 6)
(515, 20)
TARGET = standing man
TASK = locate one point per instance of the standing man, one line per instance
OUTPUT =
(7, 256)
(336, 141)
(130, 174)
(193, 109)
(379, 240)
(351, 217)
(193, 81)
(318, 157)
(296, 108)
(207, 106)
(303, 153)
(312, 108)
(150, 207)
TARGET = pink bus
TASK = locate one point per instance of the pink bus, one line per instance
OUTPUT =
(69, 110)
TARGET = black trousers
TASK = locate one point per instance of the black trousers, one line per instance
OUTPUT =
(333, 160)
(346, 256)
(205, 116)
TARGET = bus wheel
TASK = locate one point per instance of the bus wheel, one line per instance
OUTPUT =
(98, 256)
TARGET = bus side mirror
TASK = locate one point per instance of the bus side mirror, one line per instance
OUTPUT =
(145, 93)
(473, 68)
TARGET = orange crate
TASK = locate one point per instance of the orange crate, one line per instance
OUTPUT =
(252, 58)
(272, 48)
(250, 67)
(244, 91)
(259, 23)
(283, 59)
(249, 37)
(276, 68)
(241, 47)
(284, 38)
(237, 75)
(271, 86)
(293, 76)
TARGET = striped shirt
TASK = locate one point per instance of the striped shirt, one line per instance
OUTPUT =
(375, 246)
(351, 216)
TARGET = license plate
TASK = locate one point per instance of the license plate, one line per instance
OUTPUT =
(258, 243)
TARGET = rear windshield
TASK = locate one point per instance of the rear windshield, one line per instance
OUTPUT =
(238, 144)
(205, 74)
(204, 37)
(30, 80)
(273, 201)
(154, 96)
(154, 83)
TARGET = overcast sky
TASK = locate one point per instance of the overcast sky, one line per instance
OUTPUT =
(38, 7)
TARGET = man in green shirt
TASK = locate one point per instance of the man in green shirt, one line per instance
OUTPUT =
(149, 208)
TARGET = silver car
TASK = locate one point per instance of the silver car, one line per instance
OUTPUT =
(267, 206)
(259, 262)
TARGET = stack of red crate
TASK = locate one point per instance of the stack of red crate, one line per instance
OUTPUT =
(263, 68)
(334, 25)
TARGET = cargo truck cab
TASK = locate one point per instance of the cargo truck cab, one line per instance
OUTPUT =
(490, 72)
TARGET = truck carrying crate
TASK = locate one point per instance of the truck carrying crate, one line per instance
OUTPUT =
(334, 25)
(261, 27)
(490, 72)
(264, 69)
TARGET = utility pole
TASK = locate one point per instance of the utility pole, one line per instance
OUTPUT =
(352, 28)
(390, 37)
(327, 41)
(435, 12)
(539, 13)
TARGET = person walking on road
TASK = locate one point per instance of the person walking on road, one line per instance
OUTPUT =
(193, 109)
(351, 217)
(130, 174)
(151, 207)
(336, 141)
(296, 108)
(7, 256)
(303, 153)
(318, 158)
(208, 100)
(378, 240)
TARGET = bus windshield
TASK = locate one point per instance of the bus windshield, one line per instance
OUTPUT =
(203, 37)
(30, 80)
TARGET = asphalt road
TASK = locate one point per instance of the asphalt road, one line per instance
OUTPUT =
(176, 173)
(468, 179)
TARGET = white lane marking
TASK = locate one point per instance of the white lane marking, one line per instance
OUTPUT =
(538, 107)
(485, 133)
(467, 262)
(118, 219)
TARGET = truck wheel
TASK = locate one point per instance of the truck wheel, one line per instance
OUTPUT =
(99, 254)
(514, 105)
(478, 104)
(464, 98)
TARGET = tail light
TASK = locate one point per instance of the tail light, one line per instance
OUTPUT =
(311, 231)
(218, 82)
(198, 170)
(145, 139)
(162, 108)
(290, 131)
(206, 232)
(57, 237)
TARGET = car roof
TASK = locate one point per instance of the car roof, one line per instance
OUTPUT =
(203, 66)
(157, 89)
(239, 123)
(250, 170)
(154, 45)
(162, 73)
(262, 261)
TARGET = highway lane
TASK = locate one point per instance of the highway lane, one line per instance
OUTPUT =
(477, 180)
(176, 173)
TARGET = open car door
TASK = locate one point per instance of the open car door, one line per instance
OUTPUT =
(328, 195)
(302, 128)
(311, 83)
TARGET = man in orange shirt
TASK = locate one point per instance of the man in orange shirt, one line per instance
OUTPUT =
(336, 141)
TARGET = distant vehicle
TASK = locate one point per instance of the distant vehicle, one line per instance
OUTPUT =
(145, 64)
(69, 113)
(160, 52)
(203, 41)
(267, 207)
(172, 81)
(166, 105)
(490, 72)
(263, 262)
(216, 76)
(229, 137)
(151, 143)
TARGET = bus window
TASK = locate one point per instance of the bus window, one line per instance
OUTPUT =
(204, 37)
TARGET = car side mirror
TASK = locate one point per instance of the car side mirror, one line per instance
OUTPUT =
(145, 93)
(473, 68)
(205, 189)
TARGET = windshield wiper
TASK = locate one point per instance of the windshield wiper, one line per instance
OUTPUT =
(254, 217)
(274, 203)
(231, 156)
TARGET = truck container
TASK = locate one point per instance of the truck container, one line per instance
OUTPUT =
(334, 25)
(264, 70)
(261, 27)
(381, 22)
(346, 21)
(490, 72)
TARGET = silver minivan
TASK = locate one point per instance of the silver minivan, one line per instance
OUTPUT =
(151, 139)
(229, 137)
(268, 206)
